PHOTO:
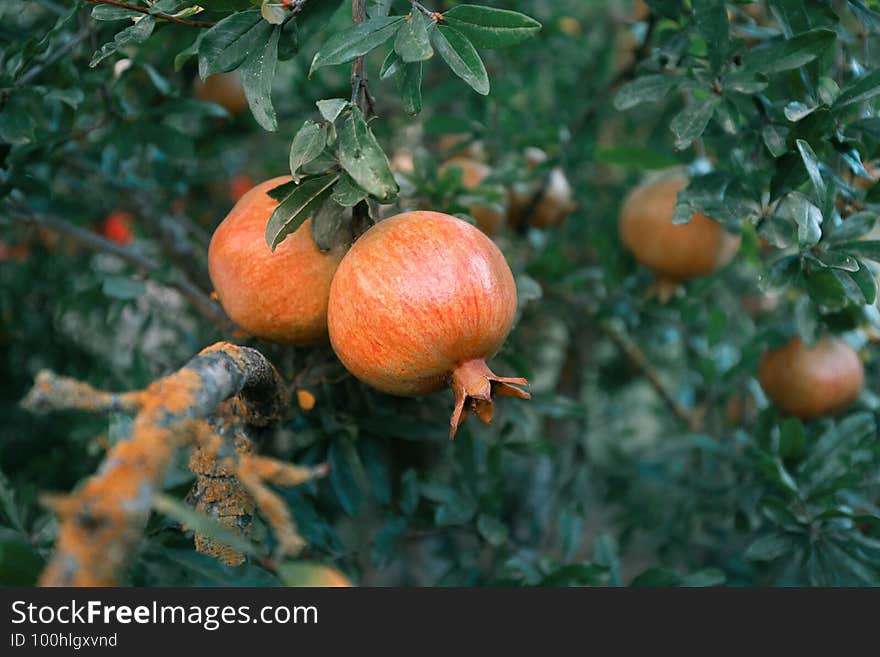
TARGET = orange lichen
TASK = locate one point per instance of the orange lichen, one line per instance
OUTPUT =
(101, 522)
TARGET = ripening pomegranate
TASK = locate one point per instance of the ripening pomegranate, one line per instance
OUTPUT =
(812, 381)
(489, 218)
(116, 227)
(460, 145)
(278, 296)
(223, 89)
(674, 252)
(541, 203)
(421, 301)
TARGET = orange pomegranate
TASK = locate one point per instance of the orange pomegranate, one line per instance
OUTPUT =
(460, 145)
(812, 381)
(541, 203)
(674, 252)
(116, 227)
(489, 218)
(223, 89)
(421, 301)
(278, 296)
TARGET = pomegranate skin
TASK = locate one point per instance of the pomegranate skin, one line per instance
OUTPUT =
(812, 381)
(278, 296)
(675, 252)
(420, 301)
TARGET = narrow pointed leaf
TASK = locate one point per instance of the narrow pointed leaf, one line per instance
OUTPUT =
(462, 58)
(363, 158)
(308, 143)
(355, 41)
(488, 27)
(412, 42)
(297, 207)
(257, 75)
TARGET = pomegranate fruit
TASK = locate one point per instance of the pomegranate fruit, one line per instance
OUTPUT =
(541, 203)
(489, 218)
(278, 296)
(674, 252)
(421, 301)
(116, 227)
(223, 89)
(812, 381)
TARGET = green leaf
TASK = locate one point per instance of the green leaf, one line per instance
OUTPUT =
(137, 33)
(706, 577)
(793, 53)
(17, 121)
(355, 41)
(257, 76)
(308, 143)
(198, 522)
(836, 260)
(363, 159)
(226, 45)
(690, 123)
(459, 54)
(344, 464)
(329, 227)
(122, 288)
(859, 91)
(645, 89)
(409, 491)
(488, 27)
(866, 282)
(20, 565)
(774, 139)
(854, 226)
(297, 207)
(807, 216)
(412, 42)
(637, 158)
(347, 193)
(288, 43)
(811, 162)
(330, 109)
(768, 548)
(868, 249)
(792, 438)
(386, 540)
(493, 531)
(190, 51)
(390, 65)
(409, 86)
(111, 13)
(710, 17)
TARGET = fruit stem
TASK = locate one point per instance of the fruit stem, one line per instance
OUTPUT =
(474, 386)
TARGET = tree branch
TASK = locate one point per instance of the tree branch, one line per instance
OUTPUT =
(360, 96)
(145, 10)
(208, 308)
(102, 521)
(637, 357)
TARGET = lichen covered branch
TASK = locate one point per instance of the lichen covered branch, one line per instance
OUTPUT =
(221, 392)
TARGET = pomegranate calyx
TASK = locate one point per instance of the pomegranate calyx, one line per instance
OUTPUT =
(474, 386)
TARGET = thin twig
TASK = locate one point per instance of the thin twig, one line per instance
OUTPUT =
(145, 10)
(637, 357)
(30, 74)
(209, 309)
(360, 97)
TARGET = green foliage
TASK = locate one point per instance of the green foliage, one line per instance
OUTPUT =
(595, 481)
